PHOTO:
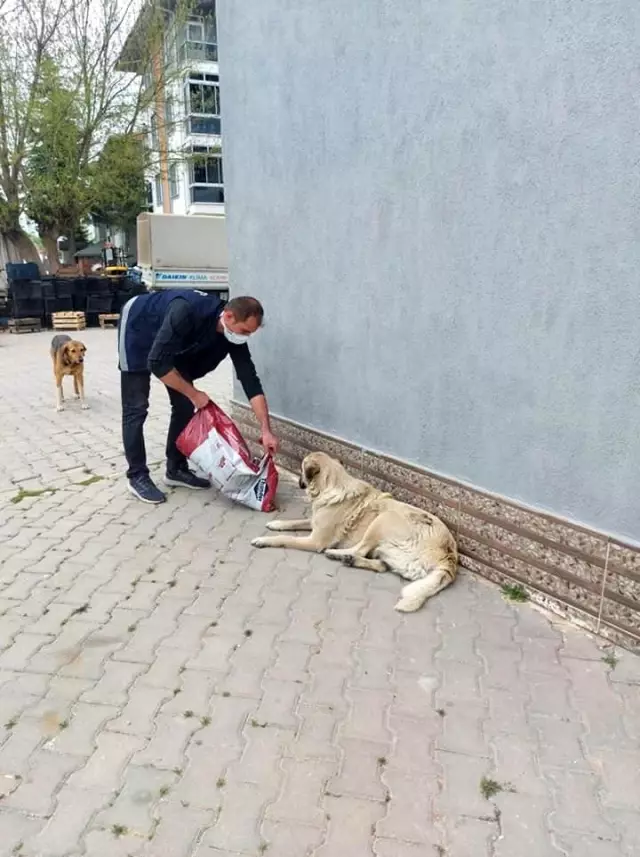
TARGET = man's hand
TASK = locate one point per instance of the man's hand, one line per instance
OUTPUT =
(200, 400)
(269, 441)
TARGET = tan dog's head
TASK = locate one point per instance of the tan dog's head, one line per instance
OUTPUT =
(73, 352)
(320, 472)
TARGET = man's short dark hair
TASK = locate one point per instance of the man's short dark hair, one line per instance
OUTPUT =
(245, 307)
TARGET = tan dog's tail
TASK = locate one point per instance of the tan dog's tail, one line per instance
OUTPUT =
(414, 594)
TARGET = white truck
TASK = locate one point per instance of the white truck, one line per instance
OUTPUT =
(178, 251)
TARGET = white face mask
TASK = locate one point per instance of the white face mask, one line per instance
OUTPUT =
(231, 336)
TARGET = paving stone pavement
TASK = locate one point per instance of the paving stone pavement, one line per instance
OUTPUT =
(167, 691)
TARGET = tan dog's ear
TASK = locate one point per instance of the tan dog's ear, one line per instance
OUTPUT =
(311, 470)
(309, 473)
(84, 348)
(64, 353)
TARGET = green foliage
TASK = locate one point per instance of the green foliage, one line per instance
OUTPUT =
(57, 192)
(118, 188)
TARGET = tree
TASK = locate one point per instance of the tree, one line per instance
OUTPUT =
(118, 187)
(27, 32)
(57, 192)
(70, 51)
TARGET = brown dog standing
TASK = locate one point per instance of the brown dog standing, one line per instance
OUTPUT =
(68, 359)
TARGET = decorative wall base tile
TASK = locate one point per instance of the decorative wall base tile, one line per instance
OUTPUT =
(579, 574)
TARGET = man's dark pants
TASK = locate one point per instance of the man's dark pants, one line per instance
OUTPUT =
(134, 388)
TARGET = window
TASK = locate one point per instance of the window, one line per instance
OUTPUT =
(158, 189)
(202, 95)
(200, 40)
(168, 111)
(206, 183)
(174, 185)
(149, 189)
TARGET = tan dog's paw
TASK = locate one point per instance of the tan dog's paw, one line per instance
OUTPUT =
(259, 542)
(59, 408)
(407, 605)
(85, 406)
(339, 555)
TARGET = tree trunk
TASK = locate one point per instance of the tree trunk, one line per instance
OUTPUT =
(23, 247)
(73, 244)
(50, 241)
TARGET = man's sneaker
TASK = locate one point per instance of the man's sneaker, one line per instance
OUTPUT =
(144, 489)
(183, 478)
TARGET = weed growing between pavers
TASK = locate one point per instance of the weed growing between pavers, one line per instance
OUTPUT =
(610, 659)
(91, 480)
(24, 494)
(514, 592)
(119, 830)
(490, 788)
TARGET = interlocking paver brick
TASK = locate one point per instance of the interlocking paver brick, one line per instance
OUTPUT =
(467, 836)
(263, 750)
(238, 825)
(75, 808)
(463, 729)
(138, 715)
(289, 839)
(16, 829)
(576, 803)
(78, 737)
(35, 792)
(167, 746)
(409, 808)
(22, 649)
(178, 830)
(132, 809)
(301, 797)
(360, 768)
(300, 680)
(104, 769)
(114, 684)
(350, 826)
(523, 826)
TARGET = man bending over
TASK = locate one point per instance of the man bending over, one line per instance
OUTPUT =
(179, 336)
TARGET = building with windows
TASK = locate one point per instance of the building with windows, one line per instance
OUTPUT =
(183, 119)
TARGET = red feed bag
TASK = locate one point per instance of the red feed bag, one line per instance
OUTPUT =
(214, 446)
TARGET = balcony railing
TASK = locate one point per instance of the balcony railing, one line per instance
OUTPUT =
(198, 52)
(207, 193)
(210, 125)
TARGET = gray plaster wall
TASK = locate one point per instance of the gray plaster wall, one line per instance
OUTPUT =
(439, 203)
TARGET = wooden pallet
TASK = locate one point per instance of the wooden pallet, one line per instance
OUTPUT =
(108, 319)
(25, 325)
(69, 321)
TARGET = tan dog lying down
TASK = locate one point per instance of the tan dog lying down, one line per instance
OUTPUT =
(353, 522)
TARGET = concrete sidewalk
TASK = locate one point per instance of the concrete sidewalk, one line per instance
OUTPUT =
(167, 691)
